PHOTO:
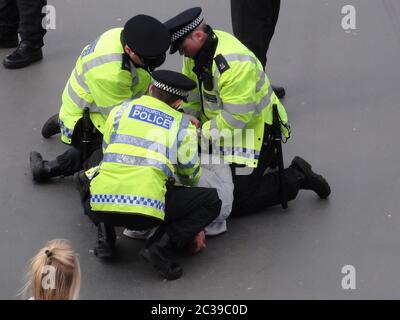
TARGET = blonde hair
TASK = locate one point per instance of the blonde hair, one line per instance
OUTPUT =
(56, 262)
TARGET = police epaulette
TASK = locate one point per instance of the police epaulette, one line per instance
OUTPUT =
(222, 64)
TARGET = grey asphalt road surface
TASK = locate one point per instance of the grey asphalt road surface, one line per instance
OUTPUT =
(343, 98)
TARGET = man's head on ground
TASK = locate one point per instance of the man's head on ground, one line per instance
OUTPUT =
(188, 32)
(54, 273)
(145, 41)
(171, 87)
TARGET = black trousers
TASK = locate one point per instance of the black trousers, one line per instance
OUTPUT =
(23, 16)
(187, 212)
(74, 160)
(254, 24)
(254, 190)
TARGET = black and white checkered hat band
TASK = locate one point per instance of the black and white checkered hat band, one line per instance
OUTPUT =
(186, 29)
(172, 90)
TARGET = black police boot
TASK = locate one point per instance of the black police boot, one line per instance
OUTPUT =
(51, 127)
(105, 241)
(26, 53)
(157, 253)
(279, 91)
(8, 41)
(310, 180)
(43, 170)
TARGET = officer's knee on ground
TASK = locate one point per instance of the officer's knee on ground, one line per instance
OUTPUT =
(213, 203)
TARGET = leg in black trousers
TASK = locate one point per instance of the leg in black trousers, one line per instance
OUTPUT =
(187, 212)
(9, 21)
(254, 23)
(70, 161)
(259, 191)
(31, 17)
(28, 16)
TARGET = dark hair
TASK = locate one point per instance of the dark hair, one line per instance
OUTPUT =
(164, 96)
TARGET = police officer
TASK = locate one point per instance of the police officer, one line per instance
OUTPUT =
(254, 23)
(111, 69)
(236, 99)
(147, 141)
(23, 17)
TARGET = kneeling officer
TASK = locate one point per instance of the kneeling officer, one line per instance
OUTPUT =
(147, 141)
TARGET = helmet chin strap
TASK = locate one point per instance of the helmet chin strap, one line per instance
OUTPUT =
(154, 62)
(149, 64)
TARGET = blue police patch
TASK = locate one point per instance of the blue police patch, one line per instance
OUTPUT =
(151, 116)
(90, 48)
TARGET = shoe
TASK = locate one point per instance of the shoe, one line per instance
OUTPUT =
(279, 91)
(26, 53)
(157, 254)
(105, 241)
(310, 180)
(51, 127)
(8, 42)
(37, 167)
(43, 170)
(136, 234)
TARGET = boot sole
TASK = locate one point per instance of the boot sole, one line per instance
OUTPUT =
(103, 255)
(302, 164)
(35, 167)
(305, 167)
(55, 128)
(145, 254)
(13, 66)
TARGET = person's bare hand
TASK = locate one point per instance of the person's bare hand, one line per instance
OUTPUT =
(199, 242)
(194, 120)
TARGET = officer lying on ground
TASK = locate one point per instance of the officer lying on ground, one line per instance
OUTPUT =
(147, 141)
(236, 103)
(113, 68)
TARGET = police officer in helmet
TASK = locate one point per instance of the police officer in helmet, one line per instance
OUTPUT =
(111, 69)
(146, 142)
(234, 96)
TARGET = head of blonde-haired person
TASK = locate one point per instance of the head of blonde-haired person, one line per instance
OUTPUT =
(54, 273)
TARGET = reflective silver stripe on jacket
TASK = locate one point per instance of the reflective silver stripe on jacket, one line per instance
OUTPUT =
(119, 114)
(137, 161)
(98, 61)
(140, 142)
(80, 78)
(231, 120)
(242, 108)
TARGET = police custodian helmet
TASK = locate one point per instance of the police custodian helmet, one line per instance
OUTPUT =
(183, 24)
(148, 38)
(174, 83)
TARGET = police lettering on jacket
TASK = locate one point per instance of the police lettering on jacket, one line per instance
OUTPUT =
(151, 116)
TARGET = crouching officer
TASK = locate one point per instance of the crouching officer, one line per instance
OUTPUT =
(234, 100)
(147, 141)
(113, 68)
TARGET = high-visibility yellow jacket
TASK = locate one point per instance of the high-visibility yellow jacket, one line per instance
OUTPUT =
(102, 79)
(239, 104)
(145, 142)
